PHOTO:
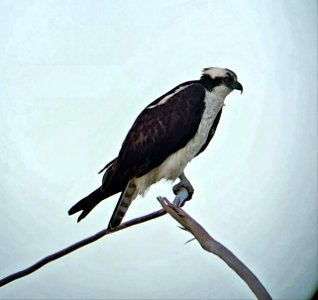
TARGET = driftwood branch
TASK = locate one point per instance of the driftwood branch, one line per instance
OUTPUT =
(188, 223)
(211, 245)
(78, 245)
(181, 197)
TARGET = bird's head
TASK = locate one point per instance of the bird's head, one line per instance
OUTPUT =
(221, 81)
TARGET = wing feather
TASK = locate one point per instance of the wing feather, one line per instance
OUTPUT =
(161, 129)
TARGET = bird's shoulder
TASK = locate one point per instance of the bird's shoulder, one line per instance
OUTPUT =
(162, 128)
(193, 87)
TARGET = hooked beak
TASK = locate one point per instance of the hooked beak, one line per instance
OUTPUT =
(237, 86)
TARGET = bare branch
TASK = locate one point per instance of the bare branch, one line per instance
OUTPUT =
(78, 245)
(187, 223)
(211, 245)
(181, 197)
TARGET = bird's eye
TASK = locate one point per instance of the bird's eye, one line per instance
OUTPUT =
(228, 80)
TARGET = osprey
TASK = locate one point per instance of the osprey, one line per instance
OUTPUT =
(165, 137)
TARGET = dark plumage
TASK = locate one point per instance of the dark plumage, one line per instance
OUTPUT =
(163, 128)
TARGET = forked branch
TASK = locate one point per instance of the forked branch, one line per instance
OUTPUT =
(211, 245)
(187, 222)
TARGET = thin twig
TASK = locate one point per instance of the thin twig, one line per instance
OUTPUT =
(78, 245)
(211, 245)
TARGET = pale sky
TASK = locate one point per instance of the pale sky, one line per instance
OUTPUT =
(74, 76)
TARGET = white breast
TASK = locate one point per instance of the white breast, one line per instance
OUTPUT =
(174, 165)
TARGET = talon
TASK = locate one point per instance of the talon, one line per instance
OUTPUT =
(176, 188)
(179, 188)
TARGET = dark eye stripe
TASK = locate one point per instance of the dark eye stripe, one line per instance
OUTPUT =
(228, 79)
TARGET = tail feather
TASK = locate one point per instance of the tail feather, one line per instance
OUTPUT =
(87, 204)
(126, 197)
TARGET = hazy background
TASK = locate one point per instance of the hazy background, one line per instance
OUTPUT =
(73, 77)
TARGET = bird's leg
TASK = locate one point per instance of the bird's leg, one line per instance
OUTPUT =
(186, 186)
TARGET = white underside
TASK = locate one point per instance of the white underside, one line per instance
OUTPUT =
(174, 165)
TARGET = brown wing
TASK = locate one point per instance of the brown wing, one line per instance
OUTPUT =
(161, 129)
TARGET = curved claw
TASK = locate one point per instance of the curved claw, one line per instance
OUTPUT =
(181, 197)
(183, 191)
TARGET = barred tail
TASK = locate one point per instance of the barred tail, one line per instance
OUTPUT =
(126, 197)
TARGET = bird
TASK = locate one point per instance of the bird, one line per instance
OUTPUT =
(165, 137)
